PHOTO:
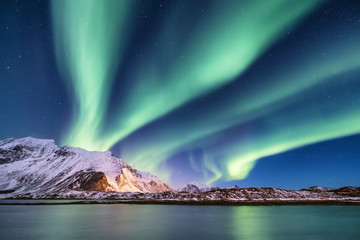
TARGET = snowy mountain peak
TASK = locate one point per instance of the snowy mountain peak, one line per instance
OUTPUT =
(195, 187)
(30, 165)
(28, 141)
(28, 147)
(199, 185)
(319, 189)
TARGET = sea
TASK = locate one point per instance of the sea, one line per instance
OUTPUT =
(171, 222)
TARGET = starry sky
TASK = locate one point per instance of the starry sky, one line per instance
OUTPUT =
(253, 93)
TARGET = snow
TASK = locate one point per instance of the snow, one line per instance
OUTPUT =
(195, 187)
(200, 185)
(37, 168)
(149, 176)
(317, 188)
(36, 163)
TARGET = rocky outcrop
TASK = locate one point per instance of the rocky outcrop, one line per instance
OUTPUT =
(91, 181)
(347, 191)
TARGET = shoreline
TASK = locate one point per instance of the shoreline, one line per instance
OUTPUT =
(175, 202)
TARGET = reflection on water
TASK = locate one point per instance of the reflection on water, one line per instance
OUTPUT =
(248, 222)
(297, 222)
(179, 222)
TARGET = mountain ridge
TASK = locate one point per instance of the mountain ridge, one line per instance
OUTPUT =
(39, 165)
(195, 187)
(37, 168)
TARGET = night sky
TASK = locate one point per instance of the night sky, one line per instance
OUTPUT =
(253, 93)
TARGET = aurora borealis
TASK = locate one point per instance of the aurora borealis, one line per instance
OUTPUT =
(85, 49)
(213, 91)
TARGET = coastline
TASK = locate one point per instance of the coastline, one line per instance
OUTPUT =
(176, 202)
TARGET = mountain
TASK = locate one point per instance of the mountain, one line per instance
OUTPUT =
(39, 166)
(318, 189)
(271, 194)
(195, 187)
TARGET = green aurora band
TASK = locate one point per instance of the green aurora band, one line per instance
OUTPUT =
(263, 102)
(214, 56)
(90, 35)
(87, 34)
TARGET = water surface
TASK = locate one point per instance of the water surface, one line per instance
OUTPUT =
(122, 221)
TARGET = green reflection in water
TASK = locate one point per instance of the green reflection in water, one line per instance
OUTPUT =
(296, 222)
(107, 221)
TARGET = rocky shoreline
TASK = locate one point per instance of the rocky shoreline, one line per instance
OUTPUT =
(189, 203)
(233, 196)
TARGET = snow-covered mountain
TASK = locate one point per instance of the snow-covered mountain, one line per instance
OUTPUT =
(195, 187)
(318, 189)
(30, 165)
(37, 168)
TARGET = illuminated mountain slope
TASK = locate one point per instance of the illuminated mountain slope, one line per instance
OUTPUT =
(30, 165)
